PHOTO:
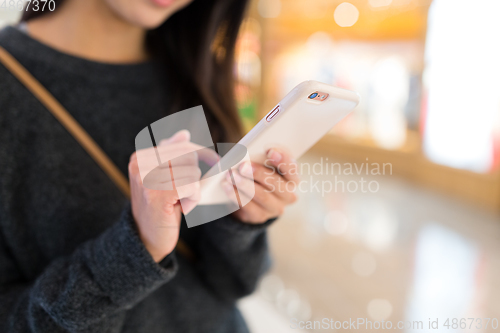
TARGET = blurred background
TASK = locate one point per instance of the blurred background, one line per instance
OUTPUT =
(424, 244)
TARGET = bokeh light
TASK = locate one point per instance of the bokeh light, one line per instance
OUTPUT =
(346, 14)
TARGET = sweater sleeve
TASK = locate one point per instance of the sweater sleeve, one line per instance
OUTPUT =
(87, 291)
(232, 256)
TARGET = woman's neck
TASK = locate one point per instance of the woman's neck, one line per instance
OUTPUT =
(90, 29)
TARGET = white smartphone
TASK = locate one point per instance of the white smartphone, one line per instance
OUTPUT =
(302, 118)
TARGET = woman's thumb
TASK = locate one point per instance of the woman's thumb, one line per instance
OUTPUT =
(180, 136)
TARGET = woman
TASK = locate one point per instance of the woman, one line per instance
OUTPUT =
(74, 255)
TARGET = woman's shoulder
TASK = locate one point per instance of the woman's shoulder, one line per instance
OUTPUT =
(11, 37)
(15, 99)
(6, 32)
(17, 107)
(10, 87)
(12, 91)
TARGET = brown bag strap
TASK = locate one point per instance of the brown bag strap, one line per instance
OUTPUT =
(74, 128)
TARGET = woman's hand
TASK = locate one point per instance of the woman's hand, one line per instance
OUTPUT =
(275, 185)
(157, 212)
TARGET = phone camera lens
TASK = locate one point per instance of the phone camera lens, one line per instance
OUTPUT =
(313, 95)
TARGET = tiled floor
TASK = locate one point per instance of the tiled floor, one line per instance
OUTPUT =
(404, 253)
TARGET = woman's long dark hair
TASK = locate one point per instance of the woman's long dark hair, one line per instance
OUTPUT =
(197, 44)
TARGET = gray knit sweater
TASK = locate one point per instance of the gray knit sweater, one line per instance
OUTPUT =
(70, 256)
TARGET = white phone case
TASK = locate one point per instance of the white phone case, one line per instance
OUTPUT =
(295, 124)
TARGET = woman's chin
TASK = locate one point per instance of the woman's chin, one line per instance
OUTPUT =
(150, 20)
(147, 14)
(152, 24)
(154, 16)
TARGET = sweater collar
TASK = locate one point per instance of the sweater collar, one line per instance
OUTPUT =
(28, 50)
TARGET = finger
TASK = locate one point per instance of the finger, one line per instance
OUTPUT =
(188, 172)
(179, 150)
(149, 159)
(252, 213)
(180, 136)
(255, 171)
(167, 185)
(284, 163)
(133, 167)
(248, 190)
(209, 156)
(170, 151)
(271, 180)
(188, 191)
(170, 223)
(179, 153)
(188, 205)
(161, 178)
(228, 187)
(165, 197)
(175, 151)
(279, 186)
(174, 191)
